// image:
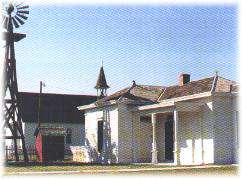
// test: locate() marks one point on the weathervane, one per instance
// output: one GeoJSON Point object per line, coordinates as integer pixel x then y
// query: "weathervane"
{"type": "Point", "coordinates": [13, 14]}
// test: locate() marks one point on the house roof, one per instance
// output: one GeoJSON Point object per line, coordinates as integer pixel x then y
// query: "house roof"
{"type": "Point", "coordinates": [156, 94]}
{"type": "Point", "coordinates": [142, 92]}
{"type": "Point", "coordinates": [135, 93]}
{"type": "Point", "coordinates": [219, 84]}
{"type": "Point", "coordinates": [55, 108]}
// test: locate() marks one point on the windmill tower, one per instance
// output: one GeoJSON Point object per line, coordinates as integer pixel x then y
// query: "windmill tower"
{"type": "Point", "coordinates": [102, 86]}
{"type": "Point", "coordinates": [14, 16]}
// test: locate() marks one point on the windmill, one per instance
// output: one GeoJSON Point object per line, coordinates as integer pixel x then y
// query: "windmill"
{"type": "Point", "coordinates": [14, 15]}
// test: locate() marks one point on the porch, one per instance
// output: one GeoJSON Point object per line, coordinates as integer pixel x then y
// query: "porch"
{"type": "Point", "coordinates": [178, 133]}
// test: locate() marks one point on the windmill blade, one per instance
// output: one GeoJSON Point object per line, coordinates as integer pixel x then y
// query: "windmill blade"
{"type": "Point", "coordinates": [20, 4]}
{"type": "Point", "coordinates": [22, 16]}
{"type": "Point", "coordinates": [3, 17]}
{"type": "Point", "coordinates": [19, 20]}
{"type": "Point", "coordinates": [5, 23]}
{"type": "Point", "coordinates": [23, 7]}
{"type": "Point", "coordinates": [15, 23]}
{"type": "Point", "coordinates": [24, 12]}
{"type": "Point", "coordinates": [3, 20]}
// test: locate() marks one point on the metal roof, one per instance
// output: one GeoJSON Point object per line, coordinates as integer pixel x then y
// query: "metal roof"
{"type": "Point", "coordinates": [55, 108]}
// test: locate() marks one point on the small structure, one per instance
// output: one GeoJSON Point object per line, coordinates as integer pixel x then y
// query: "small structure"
{"type": "Point", "coordinates": [50, 143]}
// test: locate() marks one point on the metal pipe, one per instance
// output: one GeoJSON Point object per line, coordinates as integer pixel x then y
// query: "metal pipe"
{"type": "Point", "coordinates": [41, 85]}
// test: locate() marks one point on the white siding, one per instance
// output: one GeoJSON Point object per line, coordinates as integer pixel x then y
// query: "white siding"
{"type": "Point", "coordinates": [146, 141]}
{"type": "Point", "coordinates": [208, 133]}
{"type": "Point", "coordinates": [125, 134]}
{"type": "Point", "coordinates": [224, 131]}
{"type": "Point", "coordinates": [190, 138]}
{"type": "Point", "coordinates": [114, 134]}
{"type": "Point", "coordinates": [91, 121]}
{"type": "Point", "coordinates": [91, 118]}
{"type": "Point", "coordinates": [197, 129]}
{"type": "Point", "coordinates": [137, 137]}
{"type": "Point", "coordinates": [236, 127]}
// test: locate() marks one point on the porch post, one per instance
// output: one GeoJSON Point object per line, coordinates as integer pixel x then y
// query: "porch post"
{"type": "Point", "coordinates": [201, 130]}
{"type": "Point", "coordinates": [154, 145]}
{"type": "Point", "coordinates": [176, 138]}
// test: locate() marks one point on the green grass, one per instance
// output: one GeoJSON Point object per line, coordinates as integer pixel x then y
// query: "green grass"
{"type": "Point", "coordinates": [223, 170]}
{"type": "Point", "coordinates": [78, 167]}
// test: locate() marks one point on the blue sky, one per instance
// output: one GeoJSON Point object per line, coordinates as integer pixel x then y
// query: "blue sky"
{"type": "Point", "coordinates": [151, 44]}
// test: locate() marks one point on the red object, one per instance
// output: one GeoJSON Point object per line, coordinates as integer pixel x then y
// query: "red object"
{"type": "Point", "coordinates": [38, 145]}
{"type": "Point", "coordinates": [49, 144]}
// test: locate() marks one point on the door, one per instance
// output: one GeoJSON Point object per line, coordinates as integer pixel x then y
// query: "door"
{"type": "Point", "coordinates": [169, 141]}
{"type": "Point", "coordinates": [53, 148]}
{"type": "Point", "coordinates": [100, 136]}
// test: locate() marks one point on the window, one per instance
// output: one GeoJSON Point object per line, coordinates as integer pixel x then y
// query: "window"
{"type": "Point", "coordinates": [68, 136]}
{"type": "Point", "coordinates": [100, 136]}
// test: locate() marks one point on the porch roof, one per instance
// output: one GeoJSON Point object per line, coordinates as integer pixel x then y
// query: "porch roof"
{"type": "Point", "coordinates": [173, 102]}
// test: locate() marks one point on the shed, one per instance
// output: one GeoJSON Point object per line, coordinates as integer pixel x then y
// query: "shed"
{"type": "Point", "coordinates": [50, 143]}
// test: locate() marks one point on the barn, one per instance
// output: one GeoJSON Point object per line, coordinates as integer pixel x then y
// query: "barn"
{"type": "Point", "coordinates": [57, 110]}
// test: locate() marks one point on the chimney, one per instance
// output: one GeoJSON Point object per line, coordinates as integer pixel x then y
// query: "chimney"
{"type": "Point", "coordinates": [184, 79]}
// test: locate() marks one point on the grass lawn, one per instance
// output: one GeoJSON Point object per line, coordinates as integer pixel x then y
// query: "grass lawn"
{"type": "Point", "coordinates": [224, 171]}
{"type": "Point", "coordinates": [115, 169]}
{"type": "Point", "coordinates": [73, 167]}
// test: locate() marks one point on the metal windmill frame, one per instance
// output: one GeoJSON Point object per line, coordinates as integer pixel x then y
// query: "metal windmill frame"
{"type": "Point", "coordinates": [11, 107]}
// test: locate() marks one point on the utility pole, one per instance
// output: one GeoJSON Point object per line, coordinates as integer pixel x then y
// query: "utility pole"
{"type": "Point", "coordinates": [42, 84]}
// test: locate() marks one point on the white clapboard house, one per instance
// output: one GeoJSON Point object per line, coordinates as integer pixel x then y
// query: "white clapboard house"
{"type": "Point", "coordinates": [191, 123]}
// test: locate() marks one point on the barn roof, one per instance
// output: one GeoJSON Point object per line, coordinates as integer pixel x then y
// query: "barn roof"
{"type": "Point", "coordinates": [55, 108]}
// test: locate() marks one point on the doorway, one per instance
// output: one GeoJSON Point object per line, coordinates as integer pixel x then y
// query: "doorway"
{"type": "Point", "coordinates": [100, 136]}
{"type": "Point", "coordinates": [169, 141]}
{"type": "Point", "coordinates": [53, 148]}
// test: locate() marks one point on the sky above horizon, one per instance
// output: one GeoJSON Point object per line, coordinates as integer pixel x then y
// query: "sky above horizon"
{"type": "Point", "coordinates": [150, 44]}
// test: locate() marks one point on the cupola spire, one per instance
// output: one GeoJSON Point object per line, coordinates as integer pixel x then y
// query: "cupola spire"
{"type": "Point", "coordinates": [101, 84]}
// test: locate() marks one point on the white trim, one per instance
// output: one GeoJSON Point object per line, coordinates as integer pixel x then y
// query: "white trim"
{"type": "Point", "coordinates": [201, 133]}
{"type": "Point", "coordinates": [215, 79]}
{"type": "Point", "coordinates": [176, 137]}
{"type": "Point", "coordinates": [93, 105]}
{"type": "Point", "coordinates": [154, 144]}
{"type": "Point", "coordinates": [171, 102]}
